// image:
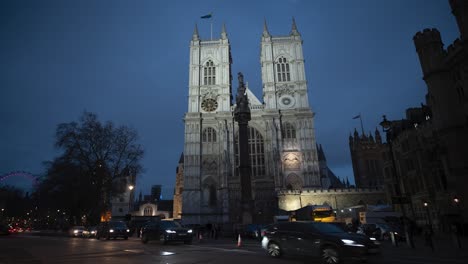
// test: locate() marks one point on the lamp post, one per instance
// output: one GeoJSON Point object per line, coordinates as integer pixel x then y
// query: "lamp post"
{"type": "Point", "coordinates": [428, 215]}
{"type": "Point", "coordinates": [387, 127]}
{"type": "Point", "coordinates": [457, 201]}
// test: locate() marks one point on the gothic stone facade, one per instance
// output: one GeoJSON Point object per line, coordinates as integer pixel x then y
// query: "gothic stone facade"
{"type": "Point", "coordinates": [283, 153]}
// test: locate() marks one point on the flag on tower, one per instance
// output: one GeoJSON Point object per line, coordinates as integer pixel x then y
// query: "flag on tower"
{"type": "Point", "coordinates": [207, 16]}
{"type": "Point", "coordinates": [356, 117]}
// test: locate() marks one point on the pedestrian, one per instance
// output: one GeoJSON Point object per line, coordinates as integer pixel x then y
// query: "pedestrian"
{"type": "Point", "coordinates": [428, 237]}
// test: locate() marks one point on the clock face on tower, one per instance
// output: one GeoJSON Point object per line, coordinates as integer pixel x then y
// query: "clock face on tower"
{"type": "Point", "coordinates": [287, 101]}
{"type": "Point", "coordinates": [209, 105]}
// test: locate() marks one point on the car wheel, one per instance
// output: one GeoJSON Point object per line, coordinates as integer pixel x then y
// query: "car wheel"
{"type": "Point", "coordinates": [329, 255]}
{"type": "Point", "coordinates": [274, 250]}
{"type": "Point", "coordinates": [144, 238]}
{"type": "Point", "coordinates": [162, 238]}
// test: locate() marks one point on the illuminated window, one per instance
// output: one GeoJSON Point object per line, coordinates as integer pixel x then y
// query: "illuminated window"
{"type": "Point", "coordinates": [209, 135]}
{"type": "Point", "coordinates": [289, 131]}
{"type": "Point", "coordinates": [282, 70]}
{"type": "Point", "coordinates": [209, 73]}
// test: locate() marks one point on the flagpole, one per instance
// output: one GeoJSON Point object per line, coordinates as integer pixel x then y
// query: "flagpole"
{"type": "Point", "coordinates": [211, 28]}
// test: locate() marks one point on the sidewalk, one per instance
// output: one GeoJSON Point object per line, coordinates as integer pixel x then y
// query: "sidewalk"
{"type": "Point", "coordinates": [444, 247]}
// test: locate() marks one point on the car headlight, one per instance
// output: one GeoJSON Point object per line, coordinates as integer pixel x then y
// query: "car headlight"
{"type": "Point", "coordinates": [93, 232]}
{"type": "Point", "coordinates": [349, 242]}
{"type": "Point", "coordinates": [170, 231]}
{"type": "Point", "coordinates": [75, 231]}
{"type": "Point", "coordinates": [111, 230]}
{"type": "Point", "coordinates": [372, 238]}
{"type": "Point", "coordinates": [128, 230]}
{"type": "Point", "coordinates": [190, 231]}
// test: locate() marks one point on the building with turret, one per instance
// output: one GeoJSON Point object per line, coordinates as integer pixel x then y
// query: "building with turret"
{"type": "Point", "coordinates": [367, 159]}
{"type": "Point", "coordinates": [426, 154]}
{"type": "Point", "coordinates": [445, 72]}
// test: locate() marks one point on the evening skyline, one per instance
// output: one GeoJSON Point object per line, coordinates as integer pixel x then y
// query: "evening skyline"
{"type": "Point", "coordinates": [128, 63]}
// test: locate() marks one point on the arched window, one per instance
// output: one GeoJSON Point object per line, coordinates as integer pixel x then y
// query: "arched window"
{"type": "Point", "coordinates": [293, 182]}
{"type": "Point", "coordinates": [209, 135]}
{"type": "Point", "coordinates": [282, 70]}
{"type": "Point", "coordinates": [289, 131]}
{"type": "Point", "coordinates": [256, 151]}
{"type": "Point", "coordinates": [148, 211]}
{"type": "Point", "coordinates": [209, 73]}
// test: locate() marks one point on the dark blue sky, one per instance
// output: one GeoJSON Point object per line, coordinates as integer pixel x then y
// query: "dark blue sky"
{"type": "Point", "coordinates": [127, 61]}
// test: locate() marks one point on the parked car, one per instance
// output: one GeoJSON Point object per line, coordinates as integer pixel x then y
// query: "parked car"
{"type": "Point", "coordinates": [112, 229]}
{"type": "Point", "coordinates": [76, 231]}
{"type": "Point", "coordinates": [318, 239]}
{"type": "Point", "coordinates": [166, 231]}
{"type": "Point", "coordinates": [381, 231]}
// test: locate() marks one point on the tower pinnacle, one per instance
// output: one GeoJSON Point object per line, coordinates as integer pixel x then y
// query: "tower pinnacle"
{"type": "Point", "coordinates": [265, 34]}
{"type": "Point", "coordinates": [223, 32]}
{"type": "Point", "coordinates": [195, 33]}
{"type": "Point", "coordinates": [294, 31]}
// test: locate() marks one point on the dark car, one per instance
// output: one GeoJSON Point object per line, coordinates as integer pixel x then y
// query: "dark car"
{"type": "Point", "coordinates": [166, 231]}
{"type": "Point", "coordinates": [323, 240]}
{"type": "Point", "coordinates": [90, 232]}
{"type": "Point", "coordinates": [112, 229]}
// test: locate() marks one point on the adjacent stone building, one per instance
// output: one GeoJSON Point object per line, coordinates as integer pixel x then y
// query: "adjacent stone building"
{"type": "Point", "coordinates": [366, 156]}
{"type": "Point", "coordinates": [425, 157]}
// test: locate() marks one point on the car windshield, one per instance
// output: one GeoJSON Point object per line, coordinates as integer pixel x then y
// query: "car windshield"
{"type": "Point", "coordinates": [169, 224]}
{"type": "Point", "coordinates": [117, 224]}
{"type": "Point", "coordinates": [326, 228]}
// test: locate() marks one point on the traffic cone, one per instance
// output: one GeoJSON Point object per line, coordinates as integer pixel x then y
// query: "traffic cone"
{"type": "Point", "coordinates": [239, 241]}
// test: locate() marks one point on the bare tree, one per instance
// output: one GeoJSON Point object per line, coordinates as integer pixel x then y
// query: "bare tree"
{"type": "Point", "coordinates": [96, 162]}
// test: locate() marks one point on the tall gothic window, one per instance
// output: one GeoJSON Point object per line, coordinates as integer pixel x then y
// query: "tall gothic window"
{"type": "Point", "coordinates": [256, 152]}
{"type": "Point", "coordinates": [289, 131]}
{"type": "Point", "coordinates": [209, 135]}
{"type": "Point", "coordinates": [282, 70]}
{"type": "Point", "coordinates": [209, 73]}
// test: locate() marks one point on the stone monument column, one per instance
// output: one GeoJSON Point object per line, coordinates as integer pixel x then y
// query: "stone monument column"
{"type": "Point", "coordinates": [242, 117]}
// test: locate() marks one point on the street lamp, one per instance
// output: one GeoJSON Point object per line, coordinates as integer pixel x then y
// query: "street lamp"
{"type": "Point", "coordinates": [426, 205]}
{"type": "Point", "coordinates": [387, 127]}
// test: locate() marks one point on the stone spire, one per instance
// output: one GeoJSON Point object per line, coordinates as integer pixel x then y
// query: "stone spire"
{"type": "Point", "coordinates": [195, 36]}
{"type": "Point", "coordinates": [223, 32]}
{"type": "Point", "coordinates": [294, 31]}
{"type": "Point", "coordinates": [378, 138]}
{"type": "Point", "coordinates": [265, 34]}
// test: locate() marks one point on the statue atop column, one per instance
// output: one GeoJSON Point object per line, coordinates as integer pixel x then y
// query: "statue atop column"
{"type": "Point", "coordinates": [242, 110]}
